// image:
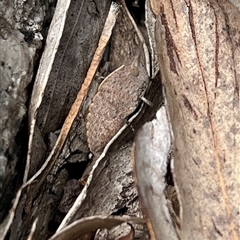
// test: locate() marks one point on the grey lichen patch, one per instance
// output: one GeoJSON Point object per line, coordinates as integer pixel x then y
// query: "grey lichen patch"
{"type": "Point", "coordinates": [117, 97]}
{"type": "Point", "coordinates": [15, 74]}
{"type": "Point", "coordinates": [28, 17]}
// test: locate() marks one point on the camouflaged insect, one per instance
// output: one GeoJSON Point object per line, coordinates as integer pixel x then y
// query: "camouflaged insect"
{"type": "Point", "coordinates": [117, 97]}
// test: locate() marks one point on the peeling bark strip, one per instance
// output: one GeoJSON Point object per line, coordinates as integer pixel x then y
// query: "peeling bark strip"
{"type": "Point", "coordinates": [171, 49]}
{"type": "Point", "coordinates": [151, 149]}
{"type": "Point", "coordinates": [44, 70]}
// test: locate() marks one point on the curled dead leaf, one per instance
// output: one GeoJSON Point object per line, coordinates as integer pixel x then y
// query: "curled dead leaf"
{"type": "Point", "coordinates": [88, 224]}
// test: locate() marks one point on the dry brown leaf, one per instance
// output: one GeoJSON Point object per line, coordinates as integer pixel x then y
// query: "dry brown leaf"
{"type": "Point", "coordinates": [118, 96]}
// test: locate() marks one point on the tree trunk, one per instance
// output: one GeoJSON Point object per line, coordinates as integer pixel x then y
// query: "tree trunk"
{"type": "Point", "coordinates": [198, 51]}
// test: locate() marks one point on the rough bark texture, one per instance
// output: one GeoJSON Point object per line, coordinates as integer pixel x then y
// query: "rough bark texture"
{"type": "Point", "coordinates": [71, 63]}
{"type": "Point", "coordinates": [84, 21]}
{"type": "Point", "coordinates": [41, 198]}
{"type": "Point", "coordinates": [199, 57]}
{"type": "Point", "coordinates": [20, 23]}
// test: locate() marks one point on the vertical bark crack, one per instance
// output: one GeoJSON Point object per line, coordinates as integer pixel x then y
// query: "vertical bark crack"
{"type": "Point", "coordinates": [216, 51]}
{"type": "Point", "coordinates": [171, 47]}
{"type": "Point", "coordinates": [188, 105]}
{"type": "Point", "coordinates": [236, 91]}
{"type": "Point", "coordinates": [174, 14]}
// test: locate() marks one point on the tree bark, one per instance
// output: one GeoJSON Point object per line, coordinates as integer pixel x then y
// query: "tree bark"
{"type": "Point", "coordinates": [20, 42]}
{"type": "Point", "coordinates": [198, 51]}
{"type": "Point", "coordinates": [197, 43]}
